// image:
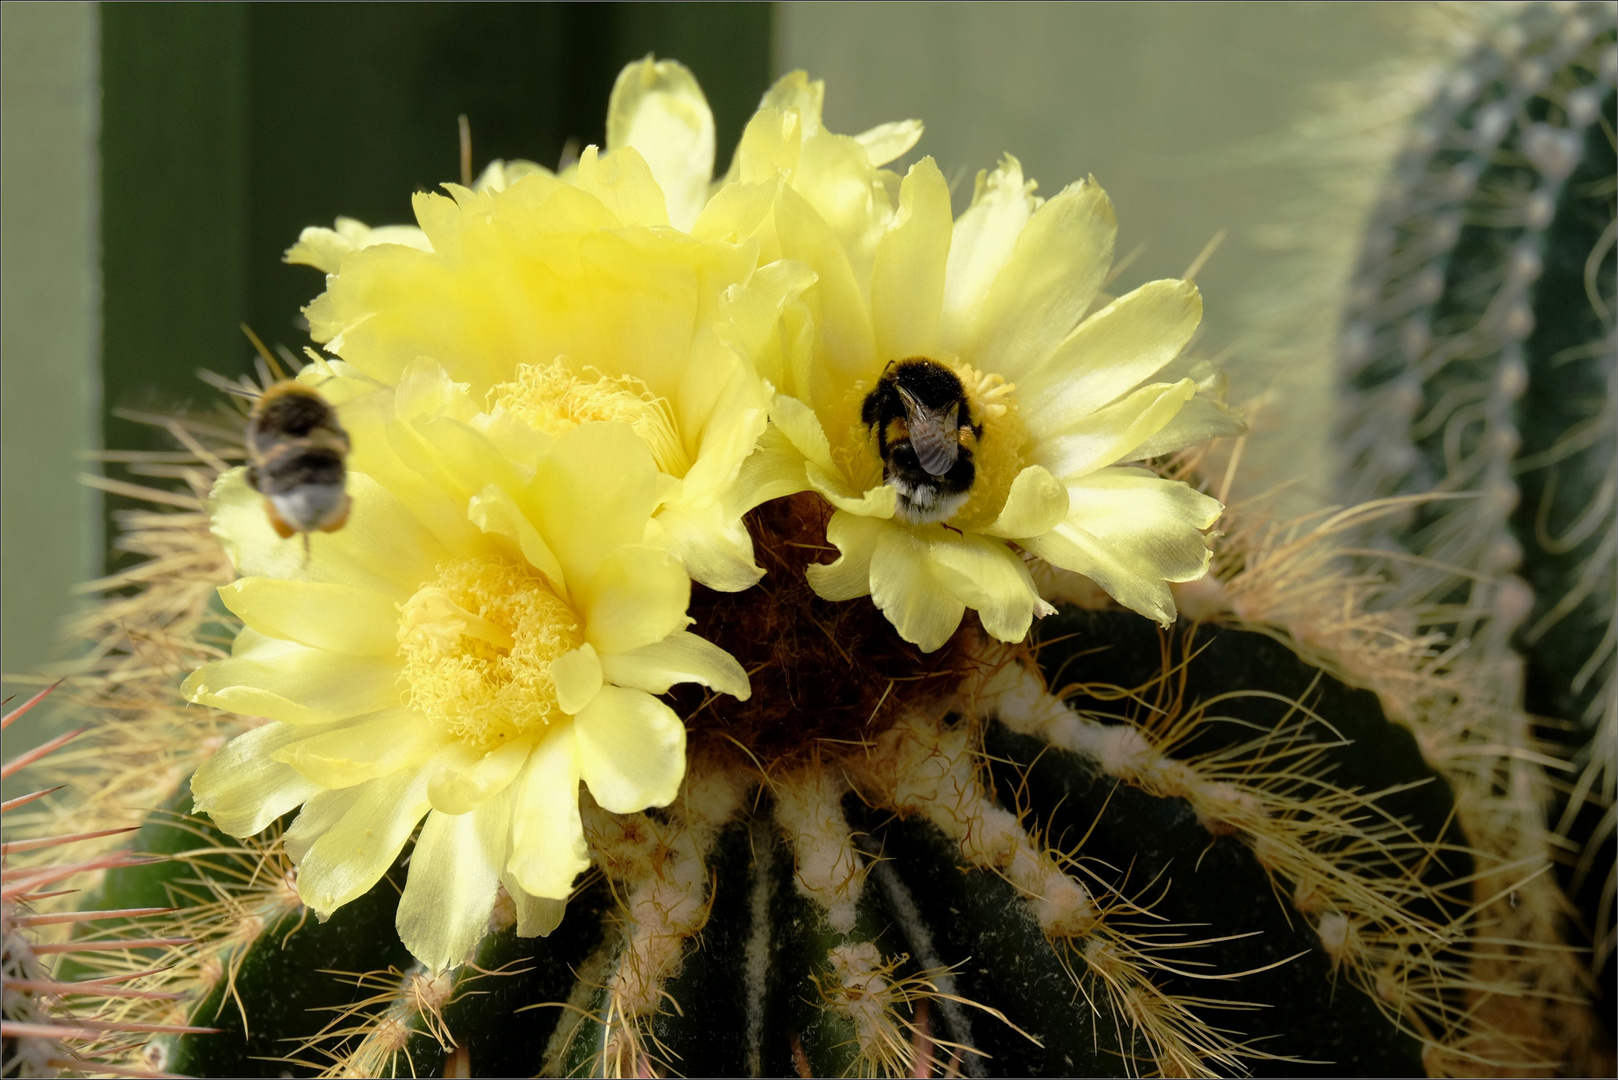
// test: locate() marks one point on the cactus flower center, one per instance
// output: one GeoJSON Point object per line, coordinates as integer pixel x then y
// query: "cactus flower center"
{"type": "Point", "coordinates": [552, 399]}
{"type": "Point", "coordinates": [477, 645]}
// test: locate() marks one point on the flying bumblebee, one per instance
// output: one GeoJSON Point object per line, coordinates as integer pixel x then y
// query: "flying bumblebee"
{"type": "Point", "coordinates": [925, 433]}
{"type": "Point", "coordinates": [296, 451]}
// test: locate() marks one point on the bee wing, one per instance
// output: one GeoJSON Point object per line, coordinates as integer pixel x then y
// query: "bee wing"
{"type": "Point", "coordinates": [932, 434]}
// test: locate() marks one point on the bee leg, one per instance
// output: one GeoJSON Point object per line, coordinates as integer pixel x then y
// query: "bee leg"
{"type": "Point", "coordinates": [952, 528]}
{"type": "Point", "coordinates": [342, 516]}
{"type": "Point", "coordinates": [282, 529]}
{"type": "Point", "coordinates": [306, 551]}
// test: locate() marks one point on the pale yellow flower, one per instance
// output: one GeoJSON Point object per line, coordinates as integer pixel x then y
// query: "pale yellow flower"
{"type": "Point", "coordinates": [487, 630]}
{"type": "Point", "coordinates": [538, 291]}
{"type": "Point", "coordinates": [1069, 400]}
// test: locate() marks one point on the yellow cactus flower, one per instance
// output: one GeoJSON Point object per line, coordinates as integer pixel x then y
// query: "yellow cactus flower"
{"type": "Point", "coordinates": [1057, 405]}
{"type": "Point", "coordinates": [540, 290]}
{"type": "Point", "coordinates": [489, 629]}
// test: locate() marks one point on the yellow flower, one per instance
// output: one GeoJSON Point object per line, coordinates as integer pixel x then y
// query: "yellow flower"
{"type": "Point", "coordinates": [546, 291]}
{"type": "Point", "coordinates": [1065, 399]}
{"type": "Point", "coordinates": [484, 633]}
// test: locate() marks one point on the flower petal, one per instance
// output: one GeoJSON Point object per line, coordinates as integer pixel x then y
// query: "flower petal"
{"type": "Point", "coordinates": [495, 511]}
{"type": "Point", "coordinates": [1045, 288]}
{"type": "Point", "coordinates": [713, 545]}
{"type": "Point", "coordinates": [984, 238]}
{"type": "Point", "coordinates": [1112, 432]}
{"type": "Point", "coordinates": [454, 872]}
{"type": "Point", "coordinates": [1113, 350]}
{"type": "Point", "coordinates": [631, 750]}
{"type": "Point", "coordinates": [355, 852]}
{"type": "Point", "coordinates": [1036, 503]}
{"type": "Point", "coordinates": [537, 916]}
{"type": "Point", "coordinates": [885, 142]}
{"type": "Point", "coordinates": [984, 575]}
{"type": "Point", "coordinates": [879, 502]}
{"type": "Point", "coordinates": [577, 675]}
{"type": "Point", "coordinates": [547, 833]}
{"type": "Point", "coordinates": [907, 278]}
{"type": "Point", "coordinates": [905, 589]}
{"type": "Point", "coordinates": [624, 184]}
{"type": "Point", "coordinates": [339, 618]}
{"type": "Point", "coordinates": [319, 814]}
{"type": "Point", "coordinates": [383, 547]}
{"type": "Point", "coordinates": [849, 577]}
{"type": "Point", "coordinates": [845, 348]}
{"type": "Point", "coordinates": [594, 466]}
{"type": "Point", "coordinates": [658, 108]}
{"type": "Point", "coordinates": [464, 781]}
{"type": "Point", "coordinates": [638, 595]}
{"type": "Point", "coordinates": [1131, 532]}
{"type": "Point", "coordinates": [243, 788]}
{"type": "Point", "coordinates": [293, 683]}
{"type": "Point", "coordinates": [363, 750]}
{"type": "Point", "coordinates": [681, 657]}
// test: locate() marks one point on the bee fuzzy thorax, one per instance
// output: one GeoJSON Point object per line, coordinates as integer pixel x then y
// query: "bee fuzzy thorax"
{"type": "Point", "coordinates": [296, 450]}
{"type": "Point", "coordinates": [927, 433]}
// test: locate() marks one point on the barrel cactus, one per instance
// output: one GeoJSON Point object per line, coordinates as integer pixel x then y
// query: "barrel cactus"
{"type": "Point", "coordinates": [1482, 368]}
{"type": "Point", "coordinates": [621, 518]}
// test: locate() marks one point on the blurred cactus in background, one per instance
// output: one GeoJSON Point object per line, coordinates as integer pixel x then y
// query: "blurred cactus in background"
{"type": "Point", "coordinates": [1482, 368]}
{"type": "Point", "coordinates": [1293, 822]}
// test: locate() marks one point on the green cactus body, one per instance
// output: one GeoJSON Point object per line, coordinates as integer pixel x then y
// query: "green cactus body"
{"type": "Point", "coordinates": [1480, 356]}
{"type": "Point", "coordinates": [1213, 857]}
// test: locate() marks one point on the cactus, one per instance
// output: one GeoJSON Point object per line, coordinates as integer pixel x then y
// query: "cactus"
{"type": "Point", "coordinates": [1268, 836]}
{"type": "Point", "coordinates": [1199, 850]}
{"type": "Point", "coordinates": [1480, 357]}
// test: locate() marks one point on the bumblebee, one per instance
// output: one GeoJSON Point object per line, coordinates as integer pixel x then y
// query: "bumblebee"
{"type": "Point", "coordinates": [296, 451]}
{"type": "Point", "coordinates": [925, 433]}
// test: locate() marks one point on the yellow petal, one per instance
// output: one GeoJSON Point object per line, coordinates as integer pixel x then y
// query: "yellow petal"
{"type": "Point", "coordinates": [850, 576]}
{"type": "Point", "coordinates": [495, 511]}
{"type": "Point", "coordinates": [1203, 418]}
{"type": "Point", "coordinates": [1113, 350]}
{"type": "Point", "coordinates": [983, 242]}
{"type": "Point", "coordinates": [319, 814]}
{"type": "Point", "coordinates": [878, 502]}
{"type": "Point", "coordinates": [383, 547]}
{"type": "Point", "coordinates": [735, 211]}
{"type": "Point", "coordinates": [775, 470]}
{"type": "Point", "coordinates": [624, 184]}
{"type": "Point", "coordinates": [801, 427]}
{"type": "Point", "coordinates": [294, 683]}
{"type": "Point", "coordinates": [1046, 286]}
{"type": "Point", "coordinates": [357, 850]}
{"type": "Point", "coordinates": [1109, 434]}
{"type": "Point", "coordinates": [1036, 503]}
{"type": "Point", "coordinates": [905, 589]}
{"type": "Point", "coordinates": [984, 575]}
{"type": "Point", "coordinates": [907, 278]}
{"type": "Point", "coordinates": [577, 675]}
{"type": "Point", "coordinates": [639, 595]}
{"type": "Point", "coordinates": [341, 618]}
{"type": "Point", "coordinates": [547, 833]}
{"type": "Point", "coordinates": [680, 657]}
{"type": "Point", "coordinates": [243, 788]}
{"type": "Point", "coordinates": [1131, 532]}
{"type": "Point", "coordinates": [537, 916]}
{"type": "Point", "coordinates": [769, 147]}
{"type": "Point", "coordinates": [713, 545]}
{"type": "Point", "coordinates": [885, 142]}
{"type": "Point", "coordinates": [844, 346]}
{"type": "Point", "coordinates": [658, 108]}
{"type": "Point", "coordinates": [465, 778]}
{"type": "Point", "coordinates": [594, 494]}
{"type": "Point", "coordinates": [362, 750]}
{"type": "Point", "coordinates": [454, 872]}
{"type": "Point", "coordinates": [631, 750]}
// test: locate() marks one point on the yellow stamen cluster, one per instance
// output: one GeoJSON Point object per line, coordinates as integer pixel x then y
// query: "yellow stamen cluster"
{"type": "Point", "coordinates": [477, 646]}
{"type": "Point", "coordinates": [552, 399]}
